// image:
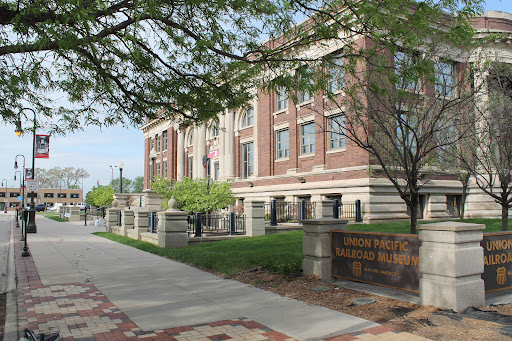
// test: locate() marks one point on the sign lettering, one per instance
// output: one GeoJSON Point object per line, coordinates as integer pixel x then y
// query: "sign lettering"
{"type": "Point", "coordinates": [497, 261]}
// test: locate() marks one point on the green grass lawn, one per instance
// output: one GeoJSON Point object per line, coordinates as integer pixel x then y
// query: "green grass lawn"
{"type": "Point", "coordinates": [280, 253]}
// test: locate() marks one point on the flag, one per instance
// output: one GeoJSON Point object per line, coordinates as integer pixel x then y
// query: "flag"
{"type": "Point", "coordinates": [42, 146]}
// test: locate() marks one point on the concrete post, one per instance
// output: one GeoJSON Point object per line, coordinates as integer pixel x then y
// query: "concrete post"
{"type": "Point", "coordinates": [74, 213]}
{"type": "Point", "coordinates": [316, 245]}
{"type": "Point", "coordinates": [323, 209]}
{"type": "Point", "coordinates": [172, 227]}
{"type": "Point", "coordinates": [111, 218]}
{"type": "Point", "coordinates": [140, 223]}
{"type": "Point", "coordinates": [126, 221]}
{"type": "Point", "coordinates": [451, 265]}
{"type": "Point", "coordinates": [254, 218]}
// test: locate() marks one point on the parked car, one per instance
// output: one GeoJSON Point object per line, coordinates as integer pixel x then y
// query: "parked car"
{"type": "Point", "coordinates": [39, 207]}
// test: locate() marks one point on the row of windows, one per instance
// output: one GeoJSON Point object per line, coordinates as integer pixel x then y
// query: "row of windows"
{"type": "Point", "coordinates": [159, 142]}
{"type": "Point", "coordinates": [335, 141]}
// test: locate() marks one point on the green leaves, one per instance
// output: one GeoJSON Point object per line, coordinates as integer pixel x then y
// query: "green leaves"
{"type": "Point", "coordinates": [195, 195]}
{"type": "Point", "coordinates": [100, 196]}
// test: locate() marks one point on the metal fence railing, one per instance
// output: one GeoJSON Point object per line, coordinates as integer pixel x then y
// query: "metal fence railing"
{"type": "Point", "coordinates": [291, 212]}
{"type": "Point", "coordinates": [216, 224]}
{"type": "Point", "coordinates": [347, 211]}
{"type": "Point", "coordinates": [153, 222]}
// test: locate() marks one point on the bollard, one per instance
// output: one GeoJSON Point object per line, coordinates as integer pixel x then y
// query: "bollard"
{"type": "Point", "coordinates": [336, 209]}
{"type": "Point", "coordinates": [273, 212]}
{"type": "Point", "coordinates": [302, 208]}
{"type": "Point", "coordinates": [358, 211]}
{"type": "Point", "coordinates": [103, 212]}
{"type": "Point", "coordinates": [85, 216]}
{"type": "Point", "coordinates": [197, 224]}
{"type": "Point", "coordinates": [232, 223]}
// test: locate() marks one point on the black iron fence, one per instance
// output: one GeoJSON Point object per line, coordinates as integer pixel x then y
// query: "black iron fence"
{"type": "Point", "coordinates": [216, 224]}
{"type": "Point", "coordinates": [153, 222]}
{"type": "Point", "coordinates": [347, 211]}
{"type": "Point", "coordinates": [291, 212]}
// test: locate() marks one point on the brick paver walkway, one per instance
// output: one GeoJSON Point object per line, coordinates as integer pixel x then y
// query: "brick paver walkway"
{"type": "Point", "coordinates": [80, 312]}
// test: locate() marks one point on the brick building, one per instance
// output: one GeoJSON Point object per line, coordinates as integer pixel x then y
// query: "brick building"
{"type": "Point", "coordinates": [48, 196]}
{"type": "Point", "coordinates": [277, 149]}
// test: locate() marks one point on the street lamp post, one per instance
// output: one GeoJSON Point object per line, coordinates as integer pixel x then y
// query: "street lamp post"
{"type": "Point", "coordinates": [60, 190]}
{"type": "Point", "coordinates": [22, 179]}
{"type": "Point", "coordinates": [5, 200]}
{"type": "Point", "coordinates": [22, 190]}
{"type": "Point", "coordinates": [31, 226]}
{"type": "Point", "coordinates": [112, 181]}
{"type": "Point", "coordinates": [152, 156]}
{"type": "Point", "coordinates": [121, 166]}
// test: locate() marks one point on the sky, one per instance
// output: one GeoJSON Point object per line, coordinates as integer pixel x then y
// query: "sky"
{"type": "Point", "coordinates": [95, 150]}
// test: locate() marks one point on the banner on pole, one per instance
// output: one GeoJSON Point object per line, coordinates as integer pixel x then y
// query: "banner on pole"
{"type": "Point", "coordinates": [42, 146]}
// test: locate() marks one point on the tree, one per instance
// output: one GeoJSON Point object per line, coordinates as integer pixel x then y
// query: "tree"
{"type": "Point", "coordinates": [100, 196]}
{"type": "Point", "coordinates": [122, 61]}
{"type": "Point", "coordinates": [488, 151]}
{"type": "Point", "coordinates": [67, 177]}
{"type": "Point", "coordinates": [127, 185]}
{"type": "Point", "coordinates": [192, 195]}
{"type": "Point", "coordinates": [138, 184]}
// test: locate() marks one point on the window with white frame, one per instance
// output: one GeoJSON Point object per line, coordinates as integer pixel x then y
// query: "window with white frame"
{"type": "Point", "coordinates": [282, 144]}
{"type": "Point", "coordinates": [247, 159]}
{"type": "Point", "coordinates": [306, 95]}
{"type": "Point", "coordinates": [215, 129]}
{"type": "Point", "coordinates": [445, 78]}
{"type": "Point", "coordinates": [164, 139]}
{"type": "Point", "coordinates": [404, 68]}
{"type": "Point", "coordinates": [157, 138]}
{"type": "Point", "coordinates": [165, 168]}
{"type": "Point", "coordinates": [336, 133]}
{"type": "Point", "coordinates": [336, 73]}
{"type": "Point", "coordinates": [307, 138]}
{"type": "Point", "coordinates": [406, 124]}
{"type": "Point", "coordinates": [191, 167]}
{"type": "Point", "coordinates": [216, 171]}
{"type": "Point", "coordinates": [190, 140]}
{"type": "Point", "coordinates": [281, 99]}
{"type": "Point", "coordinates": [158, 169]}
{"type": "Point", "coordinates": [248, 118]}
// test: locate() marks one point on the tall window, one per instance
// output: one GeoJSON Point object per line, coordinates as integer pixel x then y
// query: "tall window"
{"type": "Point", "coordinates": [157, 138]}
{"type": "Point", "coordinates": [404, 69]}
{"type": "Point", "coordinates": [405, 131]}
{"type": "Point", "coordinates": [306, 95]}
{"type": "Point", "coordinates": [445, 76]}
{"type": "Point", "coordinates": [158, 169]}
{"type": "Point", "coordinates": [216, 171]}
{"type": "Point", "coordinates": [336, 133]}
{"type": "Point", "coordinates": [248, 117]}
{"type": "Point", "coordinates": [215, 129]}
{"type": "Point", "coordinates": [247, 159]}
{"type": "Point", "coordinates": [164, 138]}
{"type": "Point", "coordinates": [282, 144]}
{"type": "Point", "coordinates": [281, 99]}
{"type": "Point", "coordinates": [190, 141]}
{"type": "Point", "coordinates": [165, 168]}
{"type": "Point", "coordinates": [307, 138]}
{"type": "Point", "coordinates": [191, 167]}
{"type": "Point", "coordinates": [336, 73]}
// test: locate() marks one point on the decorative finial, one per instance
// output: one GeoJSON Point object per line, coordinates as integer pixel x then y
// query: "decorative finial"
{"type": "Point", "coordinates": [173, 204]}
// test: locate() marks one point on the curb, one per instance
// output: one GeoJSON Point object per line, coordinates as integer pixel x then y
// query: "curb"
{"type": "Point", "coordinates": [11, 306]}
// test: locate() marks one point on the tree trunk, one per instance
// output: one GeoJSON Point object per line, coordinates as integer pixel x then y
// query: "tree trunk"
{"type": "Point", "coordinates": [504, 217]}
{"type": "Point", "coordinates": [414, 213]}
{"type": "Point", "coordinates": [463, 198]}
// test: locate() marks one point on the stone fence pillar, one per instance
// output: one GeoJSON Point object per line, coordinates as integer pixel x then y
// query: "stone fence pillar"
{"type": "Point", "coordinates": [126, 221]}
{"type": "Point", "coordinates": [451, 265]}
{"type": "Point", "coordinates": [74, 213]}
{"type": "Point", "coordinates": [140, 223]}
{"type": "Point", "coordinates": [323, 209]}
{"type": "Point", "coordinates": [254, 218]}
{"type": "Point", "coordinates": [172, 227]}
{"type": "Point", "coordinates": [111, 218]}
{"type": "Point", "coordinates": [316, 246]}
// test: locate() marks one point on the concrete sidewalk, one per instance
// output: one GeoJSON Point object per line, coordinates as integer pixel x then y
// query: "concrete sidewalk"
{"type": "Point", "coordinates": [89, 288]}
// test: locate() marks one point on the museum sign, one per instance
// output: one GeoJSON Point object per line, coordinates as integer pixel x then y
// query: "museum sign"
{"type": "Point", "coordinates": [385, 259]}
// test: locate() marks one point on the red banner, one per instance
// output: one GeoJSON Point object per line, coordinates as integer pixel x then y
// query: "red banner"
{"type": "Point", "coordinates": [42, 146]}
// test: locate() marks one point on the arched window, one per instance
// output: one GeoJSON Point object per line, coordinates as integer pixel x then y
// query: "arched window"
{"type": "Point", "coordinates": [215, 129]}
{"type": "Point", "coordinates": [190, 140]}
{"type": "Point", "coordinates": [248, 118]}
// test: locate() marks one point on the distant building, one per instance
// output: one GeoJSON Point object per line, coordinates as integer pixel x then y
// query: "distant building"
{"type": "Point", "coordinates": [48, 196]}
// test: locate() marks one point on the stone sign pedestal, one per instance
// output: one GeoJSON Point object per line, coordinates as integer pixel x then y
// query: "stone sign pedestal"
{"type": "Point", "coordinates": [126, 221]}
{"type": "Point", "coordinates": [255, 218]}
{"type": "Point", "coordinates": [323, 209]}
{"type": "Point", "coordinates": [172, 229]}
{"type": "Point", "coordinates": [451, 265]}
{"type": "Point", "coordinates": [111, 218]}
{"type": "Point", "coordinates": [316, 246]}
